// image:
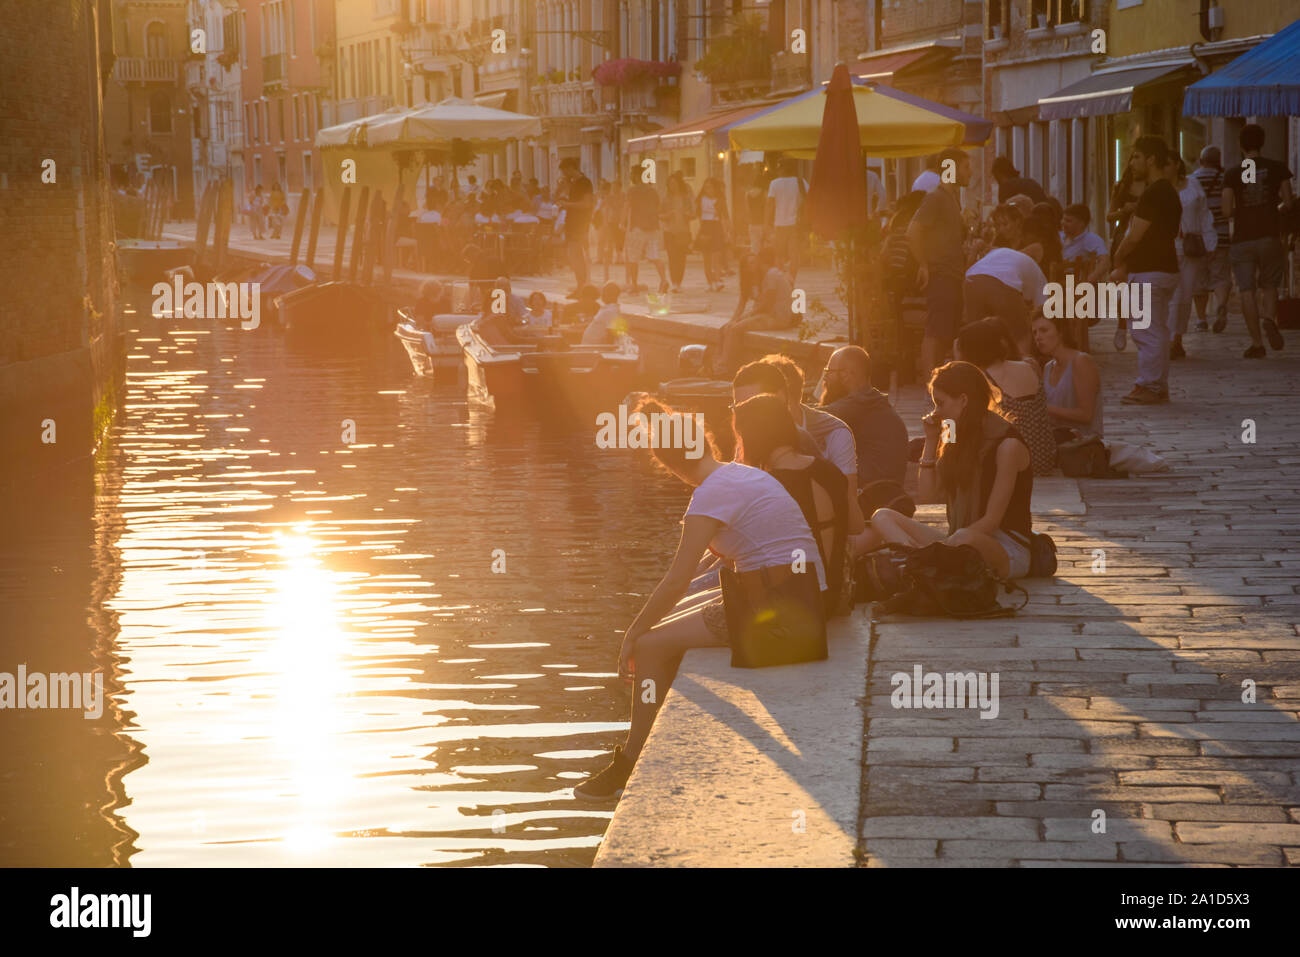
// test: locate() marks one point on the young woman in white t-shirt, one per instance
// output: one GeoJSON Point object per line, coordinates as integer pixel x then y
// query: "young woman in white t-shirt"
{"type": "Point", "coordinates": [745, 517]}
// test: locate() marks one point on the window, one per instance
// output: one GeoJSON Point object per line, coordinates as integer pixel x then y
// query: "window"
{"type": "Point", "coordinates": [999, 19]}
{"type": "Point", "coordinates": [306, 172]}
{"type": "Point", "coordinates": [297, 117]}
{"type": "Point", "coordinates": [1072, 11]}
{"type": "Point", "coordinates": [160, 113]}
{"type": "Point", "coordinates": [293, 47]}
{"type": "Point", "coordinates": [243, 39]}
{"type": "Point", "coordinates": [155, 41]}
{"type": "Point", "coordinates": [279, 109]}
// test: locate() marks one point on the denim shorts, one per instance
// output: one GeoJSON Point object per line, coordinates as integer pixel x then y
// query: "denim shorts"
{"type": "Point", "coordinates": [1017, 552]}
{"type": "Point", "coordinates": [1264, 255]}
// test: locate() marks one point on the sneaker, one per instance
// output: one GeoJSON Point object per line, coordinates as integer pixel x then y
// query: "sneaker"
{"type": "Point", "coordinates": [1144, 396]}
{"type": "Point", "coordinates": [1121, 339]}
{"type": "Point", "coordinates": [1176, 351]}
{"type": "Point", "coordinates": [1274, 337]}
{"type": "Point", "coordinates": [1255, 352]}
{"type": "Point", "coordinates": [608, 783]}
{"type": "Point", "coordinates": [1221, 320]}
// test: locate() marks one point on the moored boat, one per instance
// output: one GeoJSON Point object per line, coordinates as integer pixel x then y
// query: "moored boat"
{"type": "Point", "coordinates": [516, 376]}
{"type": "Point", "coordinates": [431, 350]}
{"type": "Point", "coordinates": [336, 316]}
{"type": "Point", "coordinates": [149, 260]}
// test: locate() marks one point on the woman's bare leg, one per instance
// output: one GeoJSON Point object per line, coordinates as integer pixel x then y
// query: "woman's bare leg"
{"type": "Point", "coordinates": [890, 527]}
{"type": "Point", "coordinates": [658, 654]}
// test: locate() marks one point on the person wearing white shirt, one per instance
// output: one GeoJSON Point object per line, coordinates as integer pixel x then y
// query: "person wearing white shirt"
{"type": "Point", "coordinates": [785, 195]}
{"type": "Point", "coordinates": [1005, 283]}
{"type": "Point", "coordinates": [929, 179]}
{"type": "Point", "coordinates": [1196, 242]}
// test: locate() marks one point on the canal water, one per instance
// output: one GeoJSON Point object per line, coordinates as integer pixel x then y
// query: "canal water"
{"type": "Point", "coordinates": [394, 650]}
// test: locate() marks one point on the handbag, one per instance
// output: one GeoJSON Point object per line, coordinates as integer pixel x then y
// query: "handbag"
{"type": "Point", "coordinates": [952, 581]}
{"type": "Point", "coordinates": [1042, 555]}
{"type": "Point", "coordinates": [773, 618]}
{"type": "Point", "coordinates": [1194, 246]}
{"type": "Point", "coordinates": [1084, 457]}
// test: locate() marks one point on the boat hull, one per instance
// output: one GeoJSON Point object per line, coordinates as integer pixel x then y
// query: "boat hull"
{"type": "Point", "coordinates": [578, 378]}
{"type": "Point", "coordinates": [333, 316]}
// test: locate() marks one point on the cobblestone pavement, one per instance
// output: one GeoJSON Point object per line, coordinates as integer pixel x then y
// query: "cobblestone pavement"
{"type": "Point", "coordinates": [1121, 684]}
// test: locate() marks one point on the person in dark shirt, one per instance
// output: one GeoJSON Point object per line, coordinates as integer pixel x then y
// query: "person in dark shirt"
{"type": "Point", "coordinates": [1251, 195]}
{"type": "Point", "coordinates": [578, 203]}
{"type": "Point", "coordinates": [435, 300]}
{"type": "Point", "coordinates": [879, 434]}
{"type": "Point", "coordinates": [1011, 183]}
{"type": "Point", "coordinates": [1148, 260]}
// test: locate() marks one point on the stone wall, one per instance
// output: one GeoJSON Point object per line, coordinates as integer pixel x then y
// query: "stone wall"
{"type": "Point", "coordinates": [59, 335]}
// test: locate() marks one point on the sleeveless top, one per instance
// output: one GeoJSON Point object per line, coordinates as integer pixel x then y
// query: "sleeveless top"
{"type": "Point", "coordinates": [799, 483]}
{"type": "Point", "coordinates": [1064, 396]}
{"type": "Point", "coordinates": [968, 505]}
{"type": "Point", "coordinates": [1029, 415]}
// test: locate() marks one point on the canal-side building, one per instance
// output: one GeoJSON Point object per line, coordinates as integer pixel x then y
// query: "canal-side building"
{"type": "Point", "coordinates": [61, 352]}
{"type": "Point", "coordinates": [213, 80]}
{"type": "Point", "coordinates": [147, 106]}
{"type": "Point", "coordinates": [1154, 49]}
{"type": "Point", "coordinates": [1031, 48]}
{"type": "Point", "coordinates": [286, 59]}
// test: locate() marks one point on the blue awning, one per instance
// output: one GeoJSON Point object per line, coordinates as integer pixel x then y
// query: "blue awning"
{"type": "Point", "coordinates": [1263, 82]}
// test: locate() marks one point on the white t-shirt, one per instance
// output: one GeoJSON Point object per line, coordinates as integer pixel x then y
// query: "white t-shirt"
{"type": "Point", "coordinates": [785, 190]}
{"type": "Point", "coordinates": [598, 331]}
{"type": "Point", "coordinates": [429, 216]}
{"type": "Point", "coordinates": [927, 182]}
{"type": "Point", "coordinates": [708, 209]}
{"type": "Point", "coordinates": [1087, 243]}
{"type": "Point", "coordinates": [762, 525]}
{"type": "Point", "coordinates": [1013, 268]}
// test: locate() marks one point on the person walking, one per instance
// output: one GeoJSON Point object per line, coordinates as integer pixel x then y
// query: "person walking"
{"type": "Point", "coordinates": [1123, 200]}
{"type": "Point", "coordinates": [785, 199]}
{"type": "Point", "coordinates": [937, 234]}
{"type": "Point", "coordinates": [1209, 173]}
{"type": "Point", "coordinates": [677, 215]}
{"type": "Point", "coordinates": [577, 204]}
{"type": "Point", "coordinates": [642, 236]}
{"type": "Point", "coordinates": [1148, 256]}
{"type": "Point", "coordinates": [1251, 196]}
{"type": "Point", "coordinates": [711, 207]}
{"type": "Point", "coordinates": [1196, 242]}
{"type": "Point", "coordinates": [257, 212]}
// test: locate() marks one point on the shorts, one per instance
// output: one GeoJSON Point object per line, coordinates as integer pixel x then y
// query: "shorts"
{"type": "Point", "coordinates": [1257, 255]}
{"type": "Point", "coordinates": [1017, 552]}
{"type": "Point", "coordinates": [642, 244]}
{"type": "Point", "coordinates": [1219, 268]}
{"type": "Point", "coordinates": [715, 619]}
{"type": "Point", "coordinates": [942, 306]}
{"type": "Point", "coordinates": [710, 236]}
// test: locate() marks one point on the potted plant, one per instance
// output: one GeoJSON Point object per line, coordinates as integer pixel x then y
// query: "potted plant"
{"type": "Point", "coordinates": [738, 55]}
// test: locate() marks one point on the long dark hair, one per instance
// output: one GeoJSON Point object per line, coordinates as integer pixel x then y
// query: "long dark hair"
{"type": "Point", "coordinates": [960, 458]}
{"type": "Point", "coordinates": [763, 424]}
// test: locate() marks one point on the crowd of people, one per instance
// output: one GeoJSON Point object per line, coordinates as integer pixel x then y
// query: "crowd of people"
{"type": "Point", "coordinates": [826, 482]}
{"type": "Point", "coordinates": [1185, 234]}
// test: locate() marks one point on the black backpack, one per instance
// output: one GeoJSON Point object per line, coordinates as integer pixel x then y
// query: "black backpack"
{"type": "Point", "coordinates": [940, 580]}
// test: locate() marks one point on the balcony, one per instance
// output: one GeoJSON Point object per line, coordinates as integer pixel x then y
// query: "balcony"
{"type": "Point", "coordinates": [574, 98]}
{"type": "Point", "coordinates": [136, 69]}
{"type": "Point", "coordinates": [790, 72]}
{"type": "Point", "coordinates": [275, 72]}
{"type": "Point", "coordinates": [651, 101]}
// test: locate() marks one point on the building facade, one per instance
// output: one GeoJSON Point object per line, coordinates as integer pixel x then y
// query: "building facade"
{"type": "Point", "coordinates": [286, 58]}
{"type": "Point", "coordinates": [213, 79]}
{"type": "Point", "coordinates": [61, 348]}
{"type": "Point", "coordinates": [147, 107]}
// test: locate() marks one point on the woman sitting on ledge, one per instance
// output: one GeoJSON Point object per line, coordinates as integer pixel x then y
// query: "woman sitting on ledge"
{"type": "Point", "coordinates": [1070, 380]}
{"type": "Point", "coordinates": [983, 475]}
{"type": "Point", "coordinates": [769, 440]}
{"type": "Point", "coordinates": [745, 517]}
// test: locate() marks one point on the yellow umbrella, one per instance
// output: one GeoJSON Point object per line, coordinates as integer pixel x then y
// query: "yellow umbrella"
{"type": "Point", "coordinates": [888, 126]}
